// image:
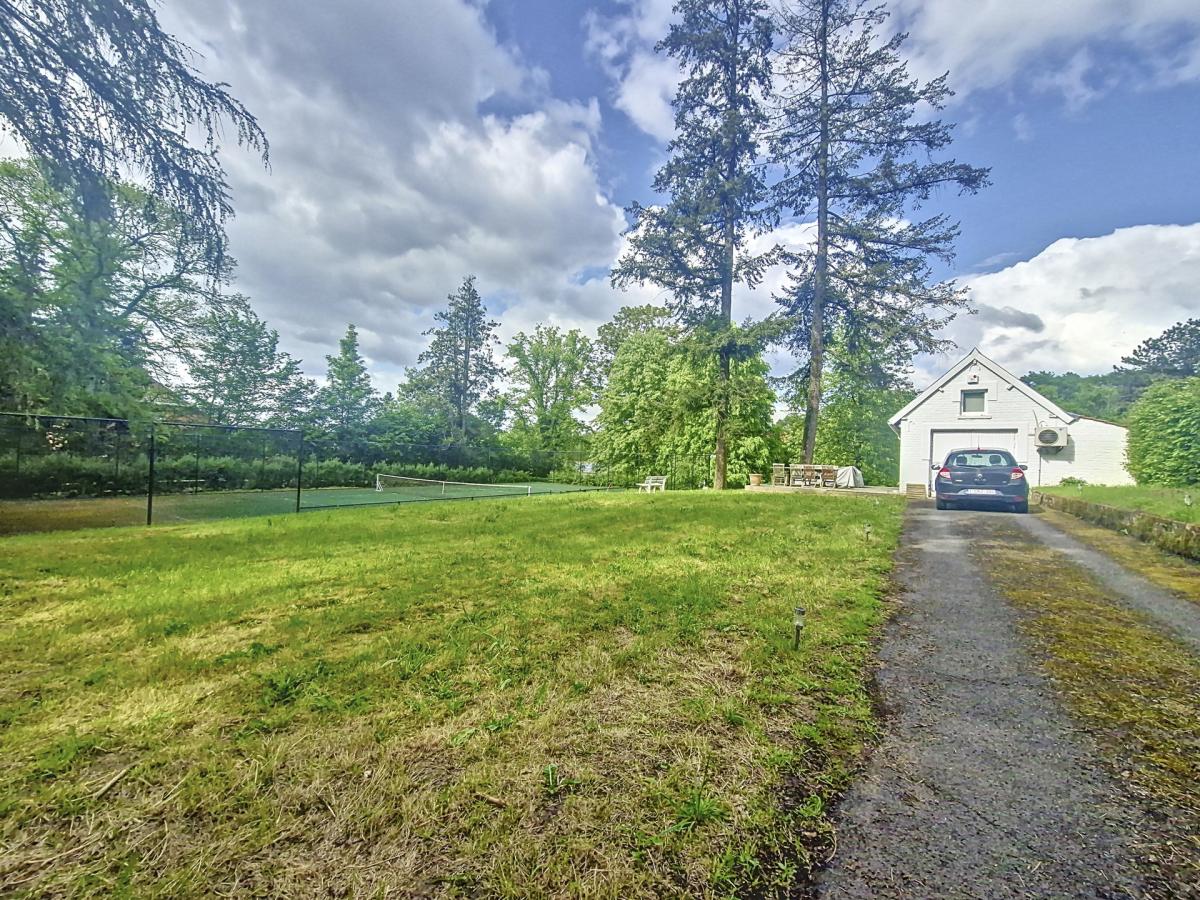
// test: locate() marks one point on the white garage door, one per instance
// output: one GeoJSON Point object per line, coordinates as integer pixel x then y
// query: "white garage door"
{"type": "Point", "coordinates": [942, 442]}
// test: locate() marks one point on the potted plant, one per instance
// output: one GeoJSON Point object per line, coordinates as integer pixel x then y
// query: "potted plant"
{"type": "Point", "coordinates": [756, 478]}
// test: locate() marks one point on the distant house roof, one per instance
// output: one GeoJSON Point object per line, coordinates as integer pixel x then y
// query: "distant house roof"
{"type": "Point", "coordinates": [976, 357]}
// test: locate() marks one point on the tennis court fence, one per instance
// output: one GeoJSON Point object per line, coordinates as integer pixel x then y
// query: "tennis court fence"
{"type": "Point", "coordinates": [64, 472]}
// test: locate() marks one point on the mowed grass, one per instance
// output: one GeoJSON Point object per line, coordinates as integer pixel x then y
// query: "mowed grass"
{"type": "Point", "coordinates": [1169, 503]}
{"type": "Point", "coordinates": [590, 695]}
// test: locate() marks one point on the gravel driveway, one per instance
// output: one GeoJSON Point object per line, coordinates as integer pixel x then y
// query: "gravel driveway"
{"type": "Point", "coordinates": [982, 786]}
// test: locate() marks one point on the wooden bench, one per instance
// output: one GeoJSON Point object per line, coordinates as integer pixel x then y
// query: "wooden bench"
{"type": "Point", "coordinates": [653, 483]}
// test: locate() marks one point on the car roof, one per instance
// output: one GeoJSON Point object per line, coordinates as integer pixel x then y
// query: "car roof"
{"type": "Point", "coordinates": [979, 450]}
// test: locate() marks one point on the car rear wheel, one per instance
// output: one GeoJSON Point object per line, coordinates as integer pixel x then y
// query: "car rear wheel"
{"type": "Point", "coordinates": [1022, 507]}
{"type": "Point", "coordinates": [942, 504]}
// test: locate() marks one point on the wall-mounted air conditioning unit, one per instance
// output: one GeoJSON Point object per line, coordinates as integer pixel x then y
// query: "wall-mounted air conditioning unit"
{"type": "Point", "coordinates": [1051, 437]}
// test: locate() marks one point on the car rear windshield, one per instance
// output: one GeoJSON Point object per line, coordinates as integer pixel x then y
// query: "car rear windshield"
{"type": "Point", "coordinates": [979, 459]}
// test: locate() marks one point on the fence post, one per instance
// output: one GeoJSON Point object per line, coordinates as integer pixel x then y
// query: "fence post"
{"type": "Point", "coordinates": [299, 467]}
{"type": "Point", "coordinates": [150, 481]}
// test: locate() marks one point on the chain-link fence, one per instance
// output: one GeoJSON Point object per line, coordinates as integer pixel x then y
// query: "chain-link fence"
{"type": "Point", "coordinates": [71, 472]}
{"type": "Point", "coordinates": [61, 472]}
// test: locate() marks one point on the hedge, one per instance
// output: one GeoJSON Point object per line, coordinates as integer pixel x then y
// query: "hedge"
{"type": "Point", "coordinates": [1164, 434]}
{"type": "Point", "coordinates": [67, 475]}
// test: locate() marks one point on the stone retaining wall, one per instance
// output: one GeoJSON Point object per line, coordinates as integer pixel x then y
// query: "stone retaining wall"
{"type": "Point", "coordinates": [1166, 534]}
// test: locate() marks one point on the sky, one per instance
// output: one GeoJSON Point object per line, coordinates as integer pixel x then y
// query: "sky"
{"type": "Point", "coordinates": [416, 142]}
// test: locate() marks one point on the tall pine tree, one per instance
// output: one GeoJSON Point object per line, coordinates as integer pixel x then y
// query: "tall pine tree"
{"type": "Point", "coordinates": [347, 402]}
{"type": "Point", "coordinates": [856, 155]}
{"type": "Point", "coordinates": [695, 246]}
{"type": "Point", "coordinates": [459, 368]}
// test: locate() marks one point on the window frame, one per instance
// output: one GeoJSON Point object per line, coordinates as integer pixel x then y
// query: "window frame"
{"type": "Point", "coordinates": [962, 402]}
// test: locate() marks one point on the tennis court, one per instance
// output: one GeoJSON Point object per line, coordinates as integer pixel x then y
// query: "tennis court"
{"type": "Point", "coordinates": [21, 516]}
{"type": "Point", "coordinates": [396, 489]}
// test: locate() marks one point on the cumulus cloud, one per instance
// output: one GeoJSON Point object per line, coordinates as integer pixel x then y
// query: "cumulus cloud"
{"type": "Point", "coordinates": [1095, 299]}
{"type": "Point", "coordinates": [394, 175]}
{"type": "Point", "coordinates": [993, 43]}
{"type": "Point", "coordinates": [644, 81]}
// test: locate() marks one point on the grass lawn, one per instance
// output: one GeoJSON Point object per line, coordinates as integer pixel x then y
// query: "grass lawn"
{"type": "Point", "coordinates": [1165, 502]}
{"type": "Point", "coordinates": [590, 695]}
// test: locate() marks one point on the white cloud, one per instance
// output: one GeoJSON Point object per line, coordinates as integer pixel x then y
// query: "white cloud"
{"type": "Point", "coordinates": [990, 44]}
{"type": "Point", "coordinates": [644, 81]}
{"type": "Point", "coordinates": [1082, 303]}
{"type": "Point", "coordinates": [391, 176]}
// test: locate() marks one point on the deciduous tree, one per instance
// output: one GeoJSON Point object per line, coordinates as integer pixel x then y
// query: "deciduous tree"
{"type": "Point", "coordinates": [553, 376]}
{"type": "Point", "coordinates": [93, 312]}
{"type": "Point", "coordinates": [696, 245]}
{"type": "Point", "coordinates": [237, 373]}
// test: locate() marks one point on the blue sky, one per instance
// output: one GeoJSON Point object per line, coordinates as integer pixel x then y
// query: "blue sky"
{"type": "Point", "coordinates": [414, 143]}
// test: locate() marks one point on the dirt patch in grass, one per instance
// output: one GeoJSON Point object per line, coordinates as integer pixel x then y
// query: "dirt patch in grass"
{"type": "Point", "coordinates": [1136, 690]}
{"type": "Point", "coordinates": [584, 696]}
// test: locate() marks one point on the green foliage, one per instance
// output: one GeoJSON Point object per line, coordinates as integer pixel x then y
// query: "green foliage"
{"type": "Point", "coordinates": [1164, 434]}
{"type": "Point", "coordinates": [238, 373]}
{"type": "Point", "coordinates": [854, 431]}
{"type": "Point", "coordinates": [658, 408]}
{"type": "Point", "coordinates": [695, 245]}
{"type": "Point", "coordinates": [96, 86]}
{"type": "Point", "coordinates": [1175, 352]}
{"type": "Point", "coordinates": [1107, 397]}
{"type": "Point", "coordinates": [347, 402]}
{"type": "Point", "coordinates": [458, 372]}
{"type": "Point", "coordinates": [553, 376]}
{"type": "Point", "coordinates": [857, 143]}
{"type": "Point", "coordinates": [628, 321]}
{"type": "Point", "coordinates": [91, 312]}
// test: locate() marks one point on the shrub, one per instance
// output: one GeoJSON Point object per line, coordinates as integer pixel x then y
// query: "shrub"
{"type": "Point", "coordinates": [73, 475]}
{"type": "Point", "coordinates": [1164, 434]}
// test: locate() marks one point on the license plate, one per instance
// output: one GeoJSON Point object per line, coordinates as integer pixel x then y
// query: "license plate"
{"type": "Point", "coordinates": [988, 491]}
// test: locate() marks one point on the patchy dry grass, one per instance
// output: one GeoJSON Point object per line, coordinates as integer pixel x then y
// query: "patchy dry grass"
{"type": "Point", "coordinates": [1173, 573]}
{"type": "Point", "coordinates": [589, 696]}
{"type": "Point", "coordinates": [1137, 690]}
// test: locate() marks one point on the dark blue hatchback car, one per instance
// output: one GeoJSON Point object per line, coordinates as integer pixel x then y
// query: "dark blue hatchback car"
{"type": "Point", "coordinates": [984, 477]}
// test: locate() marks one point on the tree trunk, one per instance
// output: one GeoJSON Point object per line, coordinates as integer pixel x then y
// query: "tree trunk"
{"type": "Point", "coordinates": [721, 455]}
{"type": "Point", "coordinates": [816, 338]}
{"type": "Point", "coordinates": [721, 462]}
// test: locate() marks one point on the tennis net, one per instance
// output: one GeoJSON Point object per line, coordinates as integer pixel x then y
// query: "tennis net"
{"type": "Point", "coordinates": [428, 488]}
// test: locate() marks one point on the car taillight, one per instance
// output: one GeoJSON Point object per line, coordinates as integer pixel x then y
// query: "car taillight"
{"type": "Point", "coordinates": [1016, 475]}
{"type": "Point", "coordinates": [944, 472]}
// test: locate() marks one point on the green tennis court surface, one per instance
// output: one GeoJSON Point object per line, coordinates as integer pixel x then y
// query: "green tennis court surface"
{"type": "Point", "coordinates": [322, 498]}
{"type": "Point", "coordinates": [20, 516]}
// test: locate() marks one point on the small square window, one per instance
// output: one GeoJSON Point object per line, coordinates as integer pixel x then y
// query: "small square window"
{"type": "Point", "coordinates": [974, 402]}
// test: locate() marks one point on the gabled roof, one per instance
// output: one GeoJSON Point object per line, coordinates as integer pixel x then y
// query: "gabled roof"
{"type": "Point", "coordinates": [999, 370]}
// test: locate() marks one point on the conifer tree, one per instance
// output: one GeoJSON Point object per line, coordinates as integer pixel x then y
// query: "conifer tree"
{"type": "Point", "coordinates": [459, 368]}
{"type": "Point", "coordinates": [855, 154]}
{"type": "Point", "coordinates": [348, 401]}
{"type": "Point", "coordinates": [94, 87]}
{"type": "Point", "coordinates": [695, 245]}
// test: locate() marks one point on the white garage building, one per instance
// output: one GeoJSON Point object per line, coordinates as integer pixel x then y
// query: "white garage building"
{"type": "Point", "coordinates": [978, 403]}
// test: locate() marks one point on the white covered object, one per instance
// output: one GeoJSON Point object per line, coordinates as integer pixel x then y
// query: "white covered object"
{"type": "Point", "coordinates": [850, 477]}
